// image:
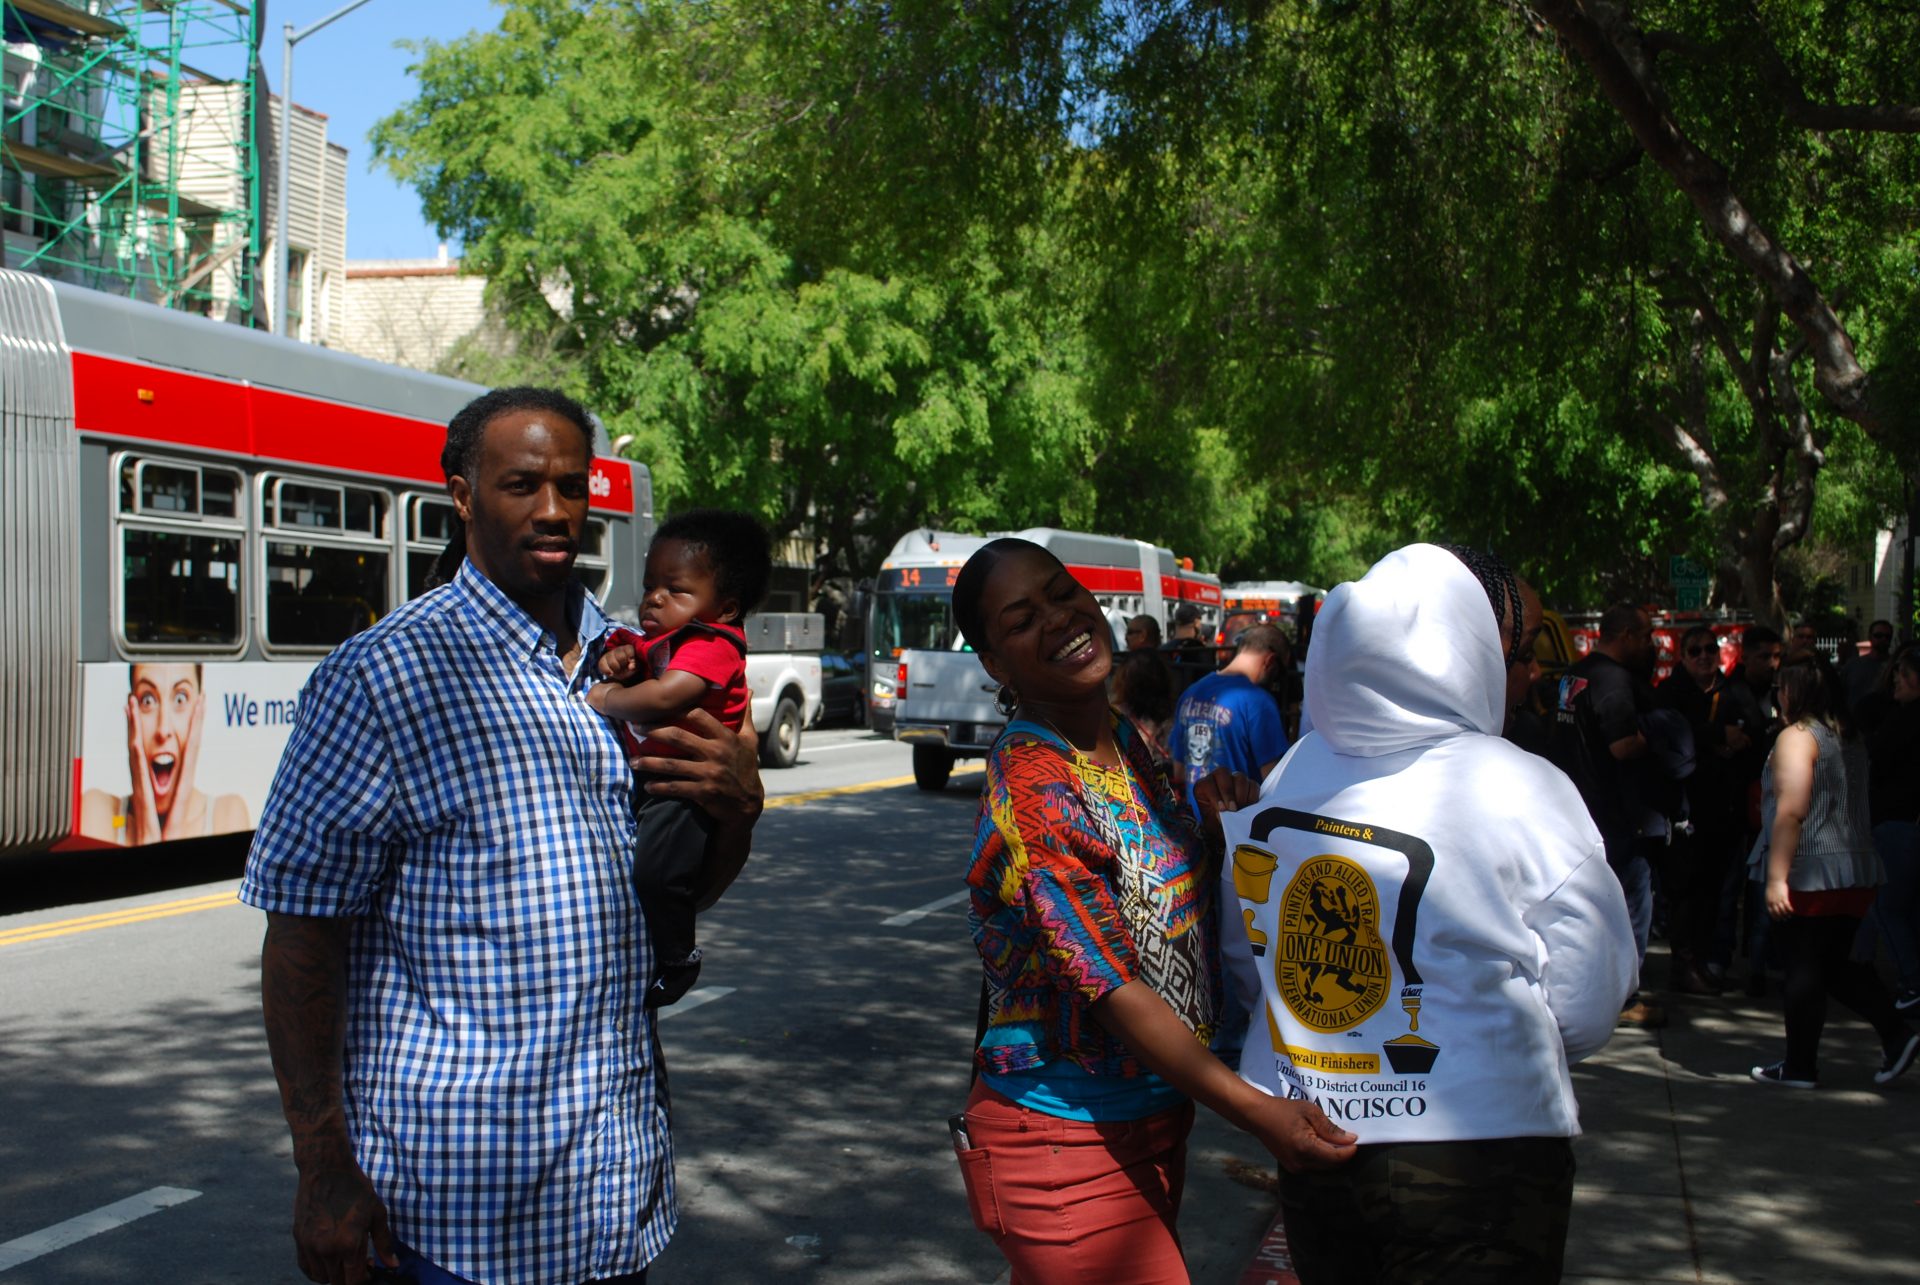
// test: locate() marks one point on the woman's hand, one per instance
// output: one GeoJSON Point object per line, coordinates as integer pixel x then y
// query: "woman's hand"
{"type": "Point", "coordinates": [1779, 900]}
{"type": "Point", "coordinates": [178, 821]}
{"type": "Point", "coordinates": [143, 816]}
{"type": "Point", "coordinates": [1222, 791]}
{"type": "Point", "coordinates": [1300, 1135]}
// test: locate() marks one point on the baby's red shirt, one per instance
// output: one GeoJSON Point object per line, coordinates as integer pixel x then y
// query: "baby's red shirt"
{"type": "Point", "coordinates": [714, 652]}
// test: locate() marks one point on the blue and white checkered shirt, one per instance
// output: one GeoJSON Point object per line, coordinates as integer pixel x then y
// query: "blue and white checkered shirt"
{"type": "Point", "coordinates": [447, 788]}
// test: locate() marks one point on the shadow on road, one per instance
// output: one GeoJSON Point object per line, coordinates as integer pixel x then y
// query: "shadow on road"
{"type": "Point", "coordinates": [50, 879]}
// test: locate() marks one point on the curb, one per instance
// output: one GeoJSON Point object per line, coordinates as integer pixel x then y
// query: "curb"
{"type": "Point", "coordinates": [1272, 1263]}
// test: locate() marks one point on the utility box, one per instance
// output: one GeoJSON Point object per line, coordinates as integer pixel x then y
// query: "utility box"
{"type": "Point", "coordinates": [785, 631]}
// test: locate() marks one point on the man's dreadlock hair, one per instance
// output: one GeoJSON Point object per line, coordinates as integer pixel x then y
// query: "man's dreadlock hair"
{"type": "Point", "coordinates": [1503, 591]}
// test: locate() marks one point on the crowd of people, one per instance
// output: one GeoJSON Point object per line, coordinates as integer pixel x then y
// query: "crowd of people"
{"type": "Point", "coordinates": [1369, 910]}
{"type": "Point", "coordinates": [1447, 871]}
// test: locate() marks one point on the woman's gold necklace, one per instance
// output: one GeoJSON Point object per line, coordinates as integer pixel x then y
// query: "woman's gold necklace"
{"type": "Point", "coordinates": [1133, 905]}
{"type": "Point", "coordinates": [1078, 753]}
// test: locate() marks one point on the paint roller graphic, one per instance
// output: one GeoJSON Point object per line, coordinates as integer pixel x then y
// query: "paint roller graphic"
{"type": "Point", "coordinates": [1410, 1054]}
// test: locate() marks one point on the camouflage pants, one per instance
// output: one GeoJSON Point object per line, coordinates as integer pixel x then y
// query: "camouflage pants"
{"type": "Point", "coordinates": [1456, 1212]}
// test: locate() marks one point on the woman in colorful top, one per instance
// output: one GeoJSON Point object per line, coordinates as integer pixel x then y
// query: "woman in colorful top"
{"type": "Point", "coordinates": [1092, 910]}
{"type": "Point", "coordinates": [1816, 858]}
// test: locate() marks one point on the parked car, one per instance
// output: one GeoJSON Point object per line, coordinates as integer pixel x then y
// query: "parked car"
{"type": "Point", "coordinates": [843, 688]}
{"type": "Point", "coordinates": [783, 674]}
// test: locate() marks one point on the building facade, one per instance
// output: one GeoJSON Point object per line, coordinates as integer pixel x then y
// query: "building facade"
{"type": "Point", "coordinates": [413, 312]}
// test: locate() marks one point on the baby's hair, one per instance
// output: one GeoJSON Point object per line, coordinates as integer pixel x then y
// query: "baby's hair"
{"type": "Point", "coordinates": [736, 547]}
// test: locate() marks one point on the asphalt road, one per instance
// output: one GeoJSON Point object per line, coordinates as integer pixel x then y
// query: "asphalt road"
{"type": "Point", "coordinates": [809, 1093]}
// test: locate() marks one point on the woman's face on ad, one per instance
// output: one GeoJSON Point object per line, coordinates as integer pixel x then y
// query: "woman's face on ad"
{"type": "Point", "coordinates": [163, 698]}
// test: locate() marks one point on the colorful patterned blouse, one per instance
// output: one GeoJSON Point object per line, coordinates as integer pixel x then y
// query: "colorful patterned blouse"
{"type": "Point", "coordinates": [1084, 878]}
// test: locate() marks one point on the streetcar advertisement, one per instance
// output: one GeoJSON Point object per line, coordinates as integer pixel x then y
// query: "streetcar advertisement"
{"type": "Point", "coordinates": [178, 750]}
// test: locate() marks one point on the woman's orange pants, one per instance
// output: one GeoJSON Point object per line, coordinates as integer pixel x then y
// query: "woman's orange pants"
{"type": "Point", "coordinates": [1068, 1201]}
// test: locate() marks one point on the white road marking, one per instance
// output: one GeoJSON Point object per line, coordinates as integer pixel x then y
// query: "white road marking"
{"type": "Point", "coordinates": [843, 745]}
{"type": "Point", "coordinates": [118, 1214]}
{"type": "Point", "coordinates": [694, 999]}
{"type": "Point", "coordinates": [906, 917]}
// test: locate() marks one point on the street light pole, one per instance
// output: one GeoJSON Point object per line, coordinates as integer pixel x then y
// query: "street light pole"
{"type": "Point", "coordinates": [292, 38]}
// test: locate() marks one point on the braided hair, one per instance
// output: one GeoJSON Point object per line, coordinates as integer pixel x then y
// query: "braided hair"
{"type": "Point", "coordinates": [1502, 589]}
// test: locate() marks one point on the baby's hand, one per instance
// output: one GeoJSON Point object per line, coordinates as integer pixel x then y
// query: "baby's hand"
{"type": "Point", "coordinates": [620, 663]}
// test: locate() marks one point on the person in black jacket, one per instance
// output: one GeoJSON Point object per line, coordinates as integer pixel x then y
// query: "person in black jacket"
{"type": "Point", "coordinates": [1698, 691]}
{"type": "Point", "coordinates": [1891, 719]}
{"type": "Point", "coordinates": [1756, 712]}
{"type": "Point", "coordinates": [1598, 740]}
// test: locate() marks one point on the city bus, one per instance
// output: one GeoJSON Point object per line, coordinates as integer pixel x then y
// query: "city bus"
{"type": "Point", "coordinates": [912, 599]}
{"type": "Point", "coordinates": [1254, 602]}
{"type": "Point", "coordinates": [194, 514]}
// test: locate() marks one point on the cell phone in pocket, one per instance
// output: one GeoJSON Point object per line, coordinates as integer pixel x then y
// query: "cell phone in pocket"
{"type": "Point", "coordinates": [957, 1129]}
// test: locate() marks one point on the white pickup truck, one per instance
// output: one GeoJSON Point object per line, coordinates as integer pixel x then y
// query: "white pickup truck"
{"type": "Point", "coordinates": [945, 710]}
{"type": "Point", "coordinates": [783, 673]}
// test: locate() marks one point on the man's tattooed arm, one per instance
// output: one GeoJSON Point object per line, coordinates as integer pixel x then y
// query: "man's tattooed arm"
{"type": "Point", "coordinates": [303, 986]}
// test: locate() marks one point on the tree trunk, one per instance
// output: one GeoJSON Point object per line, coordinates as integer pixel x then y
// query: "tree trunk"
{"type": "Point", "coordinates": [1601, 35]}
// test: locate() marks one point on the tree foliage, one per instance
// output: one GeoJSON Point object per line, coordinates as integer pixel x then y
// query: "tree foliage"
{"type": "Point", "coordinates": [1277, 282]}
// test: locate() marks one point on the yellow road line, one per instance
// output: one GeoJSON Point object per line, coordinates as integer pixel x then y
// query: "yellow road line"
{"type": "Point", "coordinates": [167, 909]}
{"type": "Point", "coordinates": [115, 918]}
{"type": "Point", "coordinates": [808, 796]}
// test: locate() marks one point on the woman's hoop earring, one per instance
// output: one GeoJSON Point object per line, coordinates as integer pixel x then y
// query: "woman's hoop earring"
{"type": "Point", "coordinates": [1006, 700]}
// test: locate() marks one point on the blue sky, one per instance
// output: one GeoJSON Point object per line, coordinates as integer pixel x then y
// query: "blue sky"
{"type": "Point", "coordinates": [353, 72]}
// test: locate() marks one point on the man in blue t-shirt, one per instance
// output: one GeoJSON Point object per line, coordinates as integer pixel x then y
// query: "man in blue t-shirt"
{"type": "Point", "coordinates": [1230, 719]}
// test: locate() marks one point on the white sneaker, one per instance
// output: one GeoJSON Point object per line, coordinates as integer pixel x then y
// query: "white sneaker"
{"type": "Point", "coordinates": [1777, 1074]}
{"type": "Point", "coordinates": [1897, 1063]}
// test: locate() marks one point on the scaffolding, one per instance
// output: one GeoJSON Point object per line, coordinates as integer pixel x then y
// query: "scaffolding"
{"type": "Point", "coordinates": [130, 155]}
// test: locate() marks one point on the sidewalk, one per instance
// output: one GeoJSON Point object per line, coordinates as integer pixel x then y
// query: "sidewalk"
{"type": "Point", "coordinates": [1689, 1171]}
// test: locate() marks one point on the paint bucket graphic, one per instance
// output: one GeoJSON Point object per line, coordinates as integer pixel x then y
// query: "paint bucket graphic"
{"type": "Point", "coordinates": [1253, 872]}
{"type": "Point", "coordinates": [1253, 881]}
{"type": "Point", "coordinates": [1411, 1055]}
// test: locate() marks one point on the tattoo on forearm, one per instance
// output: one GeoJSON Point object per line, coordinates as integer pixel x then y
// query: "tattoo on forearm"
{"type": "Point", "coordinates": [303, 970]}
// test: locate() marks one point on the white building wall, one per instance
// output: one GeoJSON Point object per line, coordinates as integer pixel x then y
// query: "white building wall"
{"type": "Point", "coordinates": [316, 220]}
{"type": "Point", "coordinates": [411, 312]}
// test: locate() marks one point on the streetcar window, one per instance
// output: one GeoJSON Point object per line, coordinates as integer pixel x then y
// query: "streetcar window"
{"type": "Point", "coordinates": [433, 520]}
{"type": "Point", "coordinates": [178, 587]}
{"type": "Point", "coordinates": [321, 595]}
{"type": "Point", "coordinates": [220, 494]}
{"type": "Point", "coordinates": [180, 582]}
{"type": "Point", "coordinates": [326, 561]}
{"type": "Point", "coordinates": [153, 488]}
{"type": "Point", "coordinates": [315, 506]}
{"type": "Point", "coordinates": [430, 524]}
{"type": "Point", "coordinates": [164, 489]}
{"type": "Point", "coordinates": [366, 512]}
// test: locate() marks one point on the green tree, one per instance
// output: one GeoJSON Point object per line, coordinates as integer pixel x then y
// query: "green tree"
{"type": "Point", "coordinates": [1277, 282]}
{"type": "Point", "coordinates": [644, 190]}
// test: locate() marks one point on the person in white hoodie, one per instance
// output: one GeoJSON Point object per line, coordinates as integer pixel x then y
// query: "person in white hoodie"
{"type": "Point", "coordinates": [1433, 931]}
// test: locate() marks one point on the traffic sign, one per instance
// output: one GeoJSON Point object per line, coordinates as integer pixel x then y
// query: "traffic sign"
{"type": "Point", "coordinates": [1685, 573]}
{"type": "Point", "coordinates": [1689, 597]}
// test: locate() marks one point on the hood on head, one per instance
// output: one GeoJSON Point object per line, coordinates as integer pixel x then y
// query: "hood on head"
{"type": "Point", "coordinates": [1407, 655]}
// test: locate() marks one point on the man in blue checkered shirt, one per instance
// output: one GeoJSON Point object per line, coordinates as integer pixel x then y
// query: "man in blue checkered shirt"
{"type": "Point", "coordinates": [455, 961]}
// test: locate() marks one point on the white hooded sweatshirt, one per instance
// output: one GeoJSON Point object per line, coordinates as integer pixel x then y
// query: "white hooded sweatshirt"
{"type": "Point", "coordinates": [1428, 912]}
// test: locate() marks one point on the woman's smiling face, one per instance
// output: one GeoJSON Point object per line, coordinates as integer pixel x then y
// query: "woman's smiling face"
{"type": "Point", "coordinates": [1046, 636]}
